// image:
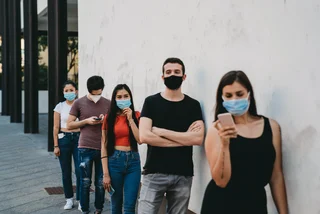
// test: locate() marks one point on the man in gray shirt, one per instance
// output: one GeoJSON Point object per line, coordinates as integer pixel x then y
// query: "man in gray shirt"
{"type": "Point", "coordinates": [90, 110]}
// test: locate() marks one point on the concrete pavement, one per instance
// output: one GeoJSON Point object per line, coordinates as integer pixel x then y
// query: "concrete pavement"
{"type": "Point", "coordinates": [26, 168]}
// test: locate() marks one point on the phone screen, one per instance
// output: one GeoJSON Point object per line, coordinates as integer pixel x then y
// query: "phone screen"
{"type": "Point", "coordinates": [97, 118]}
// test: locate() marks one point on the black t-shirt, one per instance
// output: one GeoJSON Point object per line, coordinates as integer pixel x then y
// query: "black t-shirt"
{"type": "Point", "coordinates": [175, 116]}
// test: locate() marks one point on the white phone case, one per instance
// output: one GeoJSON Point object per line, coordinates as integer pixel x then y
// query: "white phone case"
{"type": "Point", "coordinates": [60, 135]}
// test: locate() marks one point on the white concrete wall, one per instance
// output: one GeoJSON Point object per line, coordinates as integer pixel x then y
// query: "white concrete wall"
{"type": "Point", "coordinates": [43, 101]}
{"type": "Point", "coordinates": [275, 42]}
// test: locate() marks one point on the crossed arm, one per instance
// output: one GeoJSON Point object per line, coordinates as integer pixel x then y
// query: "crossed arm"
{"type": "Point", "coordinates": [166, 138]}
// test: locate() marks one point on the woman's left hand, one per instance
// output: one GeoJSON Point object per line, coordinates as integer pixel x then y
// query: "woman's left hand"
{"type": "Point", "coordinates": [128, 113]}
{"type": "Point", "coordinates": [107, 182]}
{"type": "Point", "coordinates": [56, 151]}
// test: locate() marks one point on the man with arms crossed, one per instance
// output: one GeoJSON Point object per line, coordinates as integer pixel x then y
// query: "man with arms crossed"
{"type": "Point", "coordinates": [171, 123]}
{"type": "Point", "coordinates": [90, 110]}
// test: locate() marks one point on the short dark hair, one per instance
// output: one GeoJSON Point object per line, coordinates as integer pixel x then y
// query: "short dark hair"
{"type": "Point", "coordinates": [228, 79]}
{"type": "Point", "coordinates": [70, 82]}
{"type": "Point", "coordinates": [95, 83]}
{"type": "Point", "coordinates": [173, 60]}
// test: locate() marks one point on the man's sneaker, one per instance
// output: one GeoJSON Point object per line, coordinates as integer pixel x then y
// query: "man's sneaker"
{"type": "Point", "coordinates": [69, 204]}
{"type": "Point", "coordinates": [79, 207]}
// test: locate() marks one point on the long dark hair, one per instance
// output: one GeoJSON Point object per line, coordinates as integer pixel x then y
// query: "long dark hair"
{"type": "Point", "coordinates": [112, 116]}
{"type": "Point", "coordinates": [228, 79]}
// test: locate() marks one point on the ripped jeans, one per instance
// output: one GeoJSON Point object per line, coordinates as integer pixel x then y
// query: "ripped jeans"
{"type": "Point", "coordinates": [86, 159]}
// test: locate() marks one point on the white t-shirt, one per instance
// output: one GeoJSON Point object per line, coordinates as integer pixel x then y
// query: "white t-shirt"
{"type": "Point", "coordinates": [63, 109]}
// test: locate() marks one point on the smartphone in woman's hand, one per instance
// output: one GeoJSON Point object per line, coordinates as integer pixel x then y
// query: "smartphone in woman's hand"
{"type": "Point", "coordinates": [111, 191]}
{"type": "Point", "coordinates": [226, 119]}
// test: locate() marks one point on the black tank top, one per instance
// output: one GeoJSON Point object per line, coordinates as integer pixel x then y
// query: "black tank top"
{"type": "Point", "coordinates": [252, 162]}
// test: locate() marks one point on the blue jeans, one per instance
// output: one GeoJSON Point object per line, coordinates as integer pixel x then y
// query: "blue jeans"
{"type": "Point", "coordinates": [86, 159]}
{"type": "Point", "coordinates": [125, 174]}
{"type": "Point", "coordinates": [68, 146]}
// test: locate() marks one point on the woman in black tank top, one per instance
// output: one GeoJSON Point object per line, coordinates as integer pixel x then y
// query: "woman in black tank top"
{"type": "Point", "coordinates": [243, 158]}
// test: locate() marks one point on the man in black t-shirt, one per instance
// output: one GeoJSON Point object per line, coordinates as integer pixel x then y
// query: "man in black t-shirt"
{"type": "Point", "coordinates": [171, 123]}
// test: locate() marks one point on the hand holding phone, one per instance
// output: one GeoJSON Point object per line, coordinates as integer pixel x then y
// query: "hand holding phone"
{"type": "Point", "coordinates": [226, 119]}
{"type": "Point", "coordinates": [94, 120]}
{"type": "Point", "coordinates": [226, 128]}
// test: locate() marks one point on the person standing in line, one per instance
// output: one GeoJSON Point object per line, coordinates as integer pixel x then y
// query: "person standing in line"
{"type": "Point", "coordinates": [66, 142]}
{"type": "Point", "coordinates": [90, 109]}
{"type": "Point", "coordinates": [171, 123]}
{"type": "Point", "coordinates": [243, 157]}
{"type": "Point", "coordinates": [119, 151]}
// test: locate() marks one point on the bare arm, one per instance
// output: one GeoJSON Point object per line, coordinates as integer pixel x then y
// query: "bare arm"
{"type": "Point", "coordinates": [218, 155]}
{"type": "Point", "coordinates": [104, 152]}
{"type": "Point", "coordinates": [128, 112]}
{"type": "Point", "coordinates": [188, 138]}
{"type": "Point", "coordinates": [73, 124]}
{"type": "Point", "coordinates": [104, 161]}
{"type": "Point", "coordinates": [56, 126]}
{"type": "Point", "coordinates": [277, 183]}
{"type": "Point", "coordinates": [147, 137]}
{"type": "Point", "coordinates": [135, 130]}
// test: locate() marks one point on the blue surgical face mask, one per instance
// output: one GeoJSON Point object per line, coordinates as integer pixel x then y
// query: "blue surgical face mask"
{"type": "Point", "coordinates": [236, 107]}
{"type": "Point", "coordinates": [123, 103]}
{"type": "Point", "coordinates": [70, 96]}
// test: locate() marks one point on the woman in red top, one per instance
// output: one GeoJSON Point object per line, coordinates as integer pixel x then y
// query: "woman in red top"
{"type": "Point", "coordinates": [119, 151]}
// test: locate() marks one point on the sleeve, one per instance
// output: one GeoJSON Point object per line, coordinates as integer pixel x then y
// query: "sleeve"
{"type": "Point", "coordinates": [58, 108]}
{"type": "Point", "coordinates": [197, 114]}
{"type": "Point", "coordinates": [138, 115]}
{"type": "Point", "coordinates": [75, 109]}
{"type": "Point", "coordinates": [147, 109]}
{"type": "Point", "coordinates": [104, 123]}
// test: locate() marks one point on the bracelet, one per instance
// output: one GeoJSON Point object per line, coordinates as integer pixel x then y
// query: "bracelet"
{"type": "Point", "coordinates": [104, 157]}
{"type": "Point", "coordinates": [56, 146]}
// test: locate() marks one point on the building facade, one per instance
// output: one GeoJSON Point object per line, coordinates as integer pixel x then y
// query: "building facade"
{"type": "Point", "coordinates": [275, 42]}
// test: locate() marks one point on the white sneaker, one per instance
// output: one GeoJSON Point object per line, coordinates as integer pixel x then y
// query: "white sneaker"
{"type": "Point", "coordinates": [69, 204]}
{"type": "Point", "coordinates": [79, 207]}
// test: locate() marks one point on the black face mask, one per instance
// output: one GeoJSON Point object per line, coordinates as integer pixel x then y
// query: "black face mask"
{"type": "Point", "coordinates": [173, 82]}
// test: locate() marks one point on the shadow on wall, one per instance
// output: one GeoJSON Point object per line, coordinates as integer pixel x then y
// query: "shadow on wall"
{"type": "Point", "coordinates": [299, 149]}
